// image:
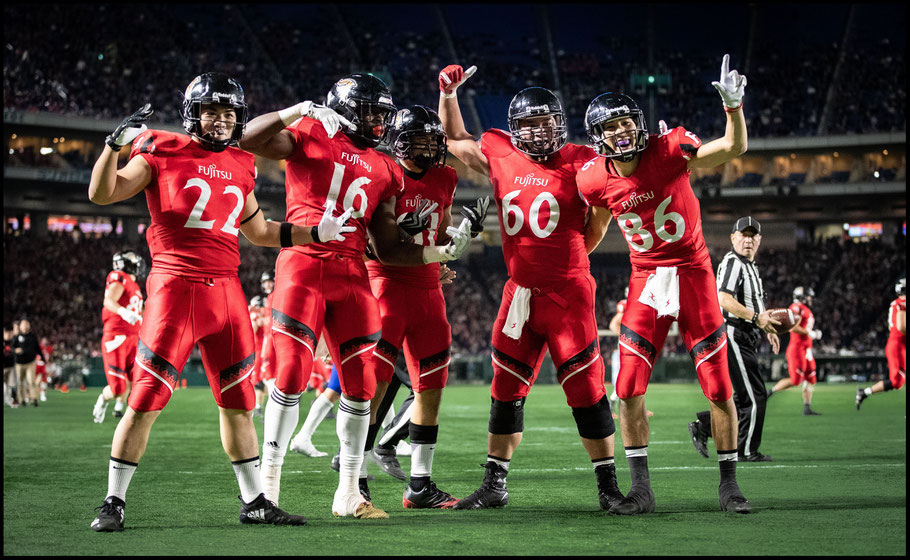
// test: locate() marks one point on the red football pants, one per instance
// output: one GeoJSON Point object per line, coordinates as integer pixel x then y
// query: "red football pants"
{"type": "Point", "coordinates": [181, 313]}
{"type": "Point", "coordinates": [118, 351]}
{"type": "Point", "coordinates": [331, 294]}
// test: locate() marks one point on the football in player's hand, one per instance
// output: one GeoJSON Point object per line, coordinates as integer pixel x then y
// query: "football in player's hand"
{"type": "Point", "coordinates": [786, 318]}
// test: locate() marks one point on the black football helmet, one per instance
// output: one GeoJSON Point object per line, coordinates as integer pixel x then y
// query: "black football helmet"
{"type": "Point", "coordinates": [537, 102]}
{"type": "Point", "coordinates": [213, 88]}
{"type": "Point", "coordinates": [358, 96]}
{"type": "Point", "coordinates": [267, 276]}
{"type": "Point", "coordinates": [901, 287]}
{"type": "Point", "coordinates": [129, 262]}
{"type": "Point", "coordinates": [411, 123]}
{"type": "Point", "coordinates": [803, 295]}
{"type": "Point", "coordinates": [257, 301]}
{"type": "Point", "coordinates": [611, 106]}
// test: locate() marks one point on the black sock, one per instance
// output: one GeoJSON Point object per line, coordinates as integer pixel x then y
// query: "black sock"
{"type": "Point", "coordinates": [371, 437]}
{"type": "Point", "coordinates": [638, 467]}
{"type": "Point", "coordinates": [727, 469]}
{"type": "Point", "coordinates": [418, 483]}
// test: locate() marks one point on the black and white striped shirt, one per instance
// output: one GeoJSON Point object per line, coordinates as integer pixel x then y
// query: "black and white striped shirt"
{"type": "Point", "coordinates": [739, 277]}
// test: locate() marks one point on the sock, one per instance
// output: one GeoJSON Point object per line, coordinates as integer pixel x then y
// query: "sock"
{"type": "Point", "coordinates": [118, 405]}
{"type": "Point", "coordinates": [281, 415]}
{"type": "Point", "coordinates": [504, 463]}
{"type": "Point", "coordinates": [638, 466]}
{"type": "Point", "coordinates": [868, 391]}
{"type": "Point", "coordinates": [100, 400]}
{"type": "Point", "coordinates": [247, 472]}
{"type": "Point", "coordinates": [372, 430]}
{"type": "Point", "coordinates": [602, 462]}
{"type": "Point", "coordinates": [423, 446]}
{"type": "Point", "coordinates": [351, 427]}
{"type": "Point", "coordinates": [318, 410]}
{"type": "Point", "coordinates": [726, 461]}
{"type": "Point", "coordinates": [119, 474]}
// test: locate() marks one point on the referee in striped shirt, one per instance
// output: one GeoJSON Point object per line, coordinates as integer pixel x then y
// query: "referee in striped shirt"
{"type": "Point", "coordinates": [742, 303]}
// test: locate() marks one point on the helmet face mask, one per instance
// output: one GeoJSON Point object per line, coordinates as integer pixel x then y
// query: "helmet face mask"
{"type": "Point", "coordinates": [417, 136]}
{"type": "Point", "coordinates": [616, 127]}
{"type": "Point", "coordinates": [901, 287]}
{"type": "Point", "coordinates": [537, 123]}
{"type": "Point", "coordinates": [803, 295]}
{"type": "Point", "coordinates": [214, 88]}
{"type": "Point", "coordinates": [365, 101]}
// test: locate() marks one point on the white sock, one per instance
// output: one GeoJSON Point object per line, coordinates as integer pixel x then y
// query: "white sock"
{"type": "Point", "coordinates": [118, 405]}
{"type": "Point", "coordinates": [868, 391]}
{"type": "Point", "coordinates": [119, 474]}
{"type": "Point", "coordinates": [603, 462]}
{"type": "Point", "coordinates": [422, 459]}
{"type": "Point", "coordinates": [501, 462]}
{"type": "Point", "coordinates": [318, 411]}
{"type": "Point", "coordinates": [247, 472]}
{"type": "Point", "coordinates": [351, 426]}
{"type": "Point", "coordinates": [100, 400]}
{"type": "Point", "coordinates": [281, 415]}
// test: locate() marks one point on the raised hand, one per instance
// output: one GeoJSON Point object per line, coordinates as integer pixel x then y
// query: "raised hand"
{"type": "Point", "coordinates": [731, 85]}
{"type": "Point", "coordinates": [453, 76]}
{"type": "Point", "coordinates": [130, 128]}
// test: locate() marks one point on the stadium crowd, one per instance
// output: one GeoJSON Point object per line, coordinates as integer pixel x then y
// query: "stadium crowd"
{"type": "Point", "coordinates": [59, 283]}
{"type": "Point", "coordinates": [80, 69]}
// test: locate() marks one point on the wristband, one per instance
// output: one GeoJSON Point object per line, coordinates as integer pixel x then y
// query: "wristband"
{"type": "Point", "coordinates": [285, 234]}
{"type": "Point", "coordinates": [448, 95]}
{"type": "Point", "coordinates": [755, 318]}
{"type": "Point", "coordinates": [733, 110]}
{"type": "Point", "coordinates": [314, 232]}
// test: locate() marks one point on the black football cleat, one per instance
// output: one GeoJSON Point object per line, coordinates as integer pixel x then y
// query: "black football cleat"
{"type": "Point", "coordinates": [118, 414]}
{"type": "Point", "coordinates": [110, 518]}
{"type": "Point", "coordinates": [263, 512]}
{"type": "Point", "coordinates": [807, 411]}
{"type": "Point", "coordinates": [387, 460]}
{"type": "Point", "coordinates": [640, 499]}
{"type": "Point", "coordinates": [860, 397]}
{"type": "Point", "coordinates": [732, 500]}
{"type": "Point", "coordinates": [492, 492]}
{"type": "Point", "coordinates": [428, 497]}
{"type": "Point", "coordinates": [699, 438]}
{"type": "Point", "coordinates": [608, 493]}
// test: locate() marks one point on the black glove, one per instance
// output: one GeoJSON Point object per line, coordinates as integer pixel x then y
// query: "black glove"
{"type": "Point", "coordinates": [476, 214]}
{"type": "Point", "coordinates": [130, 128]}
{"type": "Point", "coordinates": [418, 220]}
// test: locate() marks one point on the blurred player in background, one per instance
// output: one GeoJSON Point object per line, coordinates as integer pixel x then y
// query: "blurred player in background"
{"type": "Point", "coordinates": [325, 286]}
{"type": "Point", "coordinates": [264, 377]}
{"type": "Point", "coordinates": [121, 317]}
{"type": "Point", "coordinates": [26, 350]}
{"type": "Point", "coordinates": [545, 240]}
{"type": "Point", "coordinates": [644, 182]}
{"type": "Point", "coordinates": [319, 410]}
{"type": "Point", "coordinates": [9, 367]}
{"type": "Point", "coordinates": [800, 360]}
{"type": "Point", "coordinates": [199, 189]}
{"type": "Point", "coordinates": [260, 323]}
{"type": "Point", "coordinates": [896, 348]}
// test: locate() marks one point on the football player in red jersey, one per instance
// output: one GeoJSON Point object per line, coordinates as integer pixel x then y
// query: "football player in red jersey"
{"type": "Point", "coordinates": [800, 361]}
{"type": "Point", "coordinates": [643, 181]}
{"type": "Point", "coordinates": [895, 349]}
{"type": "Point", "coordinates": [121, 317]}
{"type": "Point", "coordinates": [199, 189]}
{"type": "Point", "coordinates": [545, 243]}
{"type": "Point", "coordinates": [259, 322]}
{"type": "Point", "coordinates": [325, 286]}
{"type": "Point", "coordinates": [411, 302]}
{"type": "Point", "coordinates": [264, 377]}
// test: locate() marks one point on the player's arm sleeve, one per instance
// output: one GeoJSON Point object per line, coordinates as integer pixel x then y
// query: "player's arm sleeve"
{"type": "Point", "coordinates": [730, 275]}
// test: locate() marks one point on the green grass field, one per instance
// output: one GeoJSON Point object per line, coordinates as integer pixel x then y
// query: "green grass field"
{"type": "Point", "coordinates": [837, 485]}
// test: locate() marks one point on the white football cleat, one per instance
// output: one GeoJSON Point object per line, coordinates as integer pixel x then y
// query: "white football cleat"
{"type": "Point", "coordinates": [305, 446]}
{"type": "Point", "coordinates": [100, 409]}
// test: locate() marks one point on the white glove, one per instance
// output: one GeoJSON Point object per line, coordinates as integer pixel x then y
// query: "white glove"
{"type": "Point", "coordinates": [815, 334]}
{"type": "Point", "coordinates": [129, 316]}
{"type": "Point", "coordinates": [130, 128]}
{"type": "Point", "coordinates": [453, 76]}
{"type": "Point", "coordinates": [461, 236]}
{"type": "Point", "coordinates": [330, 227]}
{"type": "Point", "coordinates": [330, 120]}
{"type": "Point", "coordinates": [731, 85]}
{"type": "Point", "coordinates": [662, 126]}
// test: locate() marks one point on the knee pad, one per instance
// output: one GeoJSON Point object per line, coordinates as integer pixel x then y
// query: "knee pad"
{"type": "Point", "coordinates": [507, 417]}
{"type": "Point", "coordinates": [595, 422]}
